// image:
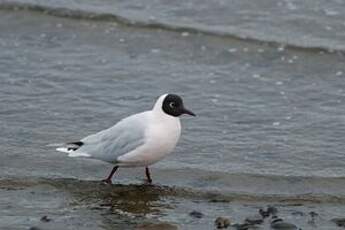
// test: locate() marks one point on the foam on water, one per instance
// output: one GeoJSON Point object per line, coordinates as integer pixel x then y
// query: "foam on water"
{"type": "Point", "coordinates": [226, 22]}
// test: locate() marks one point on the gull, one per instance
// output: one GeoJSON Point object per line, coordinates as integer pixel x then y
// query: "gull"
{"type": "Point", "coordinates": [139, 140]}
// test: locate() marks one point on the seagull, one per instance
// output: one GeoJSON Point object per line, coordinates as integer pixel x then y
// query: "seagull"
{"type": "Point", "coordinates": [139, 140]}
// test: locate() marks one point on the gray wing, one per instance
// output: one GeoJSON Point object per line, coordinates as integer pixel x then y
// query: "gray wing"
{"type": "Point", "coordinates": [109, 144]}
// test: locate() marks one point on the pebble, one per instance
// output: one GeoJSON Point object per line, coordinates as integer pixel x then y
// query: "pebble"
{"type": "Point", "coordinates": [270, 211]}
{"type": "Point", "coordinates": [275, 219]}
{"type": "Point", "coordinates": [280, 224]}
{"type": "Point", "coordinates": [297, 213]}
{"type": "Point", "coordinates": [340, 222]}
{"type": "Point", "coordinates": [222, 222]}
{"type": "Point", "coordinates": [257, 219]}
{"type": "Point", "coordinates": [312, 220]}
{"type": "Point", "coordinates": [196, 214]}
{"type": "Point", "coordinates": [313, 214]}
{"type": "Point", "coordinates": [284, 226]}
{"type": "Point", "coordinates": [45, 219]}
{"type": "Point", "coordinates": [243, 226]}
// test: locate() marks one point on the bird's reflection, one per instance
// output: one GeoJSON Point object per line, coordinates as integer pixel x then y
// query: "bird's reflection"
{"type": "Point", "coordinates": [137, 200]}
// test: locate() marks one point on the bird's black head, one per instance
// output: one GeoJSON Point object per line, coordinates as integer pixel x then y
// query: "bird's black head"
{"type": "Point", "coordinates": [173, 105]}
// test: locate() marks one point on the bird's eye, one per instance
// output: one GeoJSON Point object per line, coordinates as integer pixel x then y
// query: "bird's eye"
{"type": "Point", "coordinates": [172, 105]}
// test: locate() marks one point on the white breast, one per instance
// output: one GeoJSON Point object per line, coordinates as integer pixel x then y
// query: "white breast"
{"type": "Point", "coordinates": [162, 134]}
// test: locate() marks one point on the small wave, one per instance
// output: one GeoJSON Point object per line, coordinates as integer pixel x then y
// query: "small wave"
{"type": "Point", "coordinates": [153, 24]}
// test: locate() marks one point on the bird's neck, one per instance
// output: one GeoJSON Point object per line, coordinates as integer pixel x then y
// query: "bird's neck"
{"type": "Point", "coordinates": [159, 103]}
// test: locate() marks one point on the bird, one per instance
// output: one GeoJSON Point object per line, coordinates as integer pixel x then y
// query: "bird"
{"type": "Point", "coordinates": [138, 140]}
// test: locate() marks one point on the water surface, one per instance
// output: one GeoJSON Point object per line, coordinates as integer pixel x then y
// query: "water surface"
{"type": "Point", "coordinates": [266, 81]}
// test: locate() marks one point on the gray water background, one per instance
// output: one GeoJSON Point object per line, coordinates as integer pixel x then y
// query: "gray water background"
{"type": "Point", "coordinates": [266, 79]}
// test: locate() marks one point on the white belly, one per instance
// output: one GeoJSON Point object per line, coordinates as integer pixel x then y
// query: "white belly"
{"type": "Point", "coordinates": [161, 140]}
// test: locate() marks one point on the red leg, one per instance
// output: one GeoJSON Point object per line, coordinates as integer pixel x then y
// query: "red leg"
{"type": "Point", "coordinates": [148, 176]}
{"type": "Point", "coordinates": [108, 180]}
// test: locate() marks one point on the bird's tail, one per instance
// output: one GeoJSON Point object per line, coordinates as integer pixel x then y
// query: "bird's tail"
{"type": "Point", "coordinates": [71, 148]}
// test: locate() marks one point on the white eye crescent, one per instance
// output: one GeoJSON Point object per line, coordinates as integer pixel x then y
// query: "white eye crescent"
{"type": "Point", "coordinates": [172, 105]}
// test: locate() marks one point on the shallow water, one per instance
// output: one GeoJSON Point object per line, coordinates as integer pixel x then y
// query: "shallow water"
{"type": "Point", "coordinates": [269, 98]}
